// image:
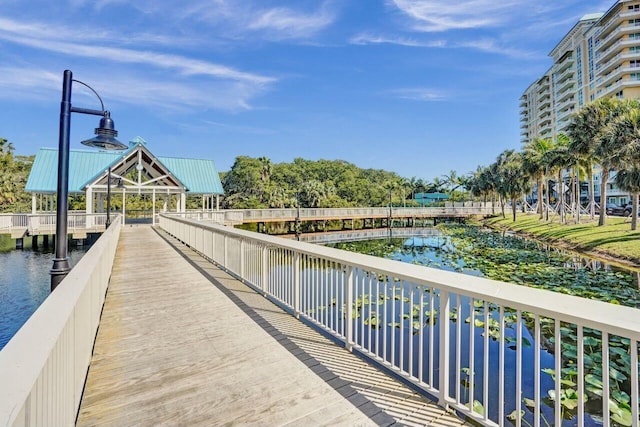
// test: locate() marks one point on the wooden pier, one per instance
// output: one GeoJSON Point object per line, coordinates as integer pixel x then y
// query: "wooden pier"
{"type": "Point", "coordinates": [182, 343]}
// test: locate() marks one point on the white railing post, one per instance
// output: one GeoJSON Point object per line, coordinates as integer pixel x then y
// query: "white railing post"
{"type": "Point", "coordinates": [443, 363]}
{"type": "Point", "coordinates": [242, 262]}
{"type": "Point", "coordinates": [296, 284]}
{"type": "Point", "coordinates": [265, 270]}
{"type": "Point", "coordinates": [348, 300]}
{"type": "Point", "coordinates": [224, 253]}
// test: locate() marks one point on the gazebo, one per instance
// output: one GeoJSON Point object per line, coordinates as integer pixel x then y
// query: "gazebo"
{"type": "Point", "coordinates": [136, 171]}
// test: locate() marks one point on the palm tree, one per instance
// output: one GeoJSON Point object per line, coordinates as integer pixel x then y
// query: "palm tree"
{"type": "Point", "coordinates": [629, 180]}
{"type": "Point", "coordinates": [513, 180]}
{"type": "Point", "coordinates": [611, 142]}
{"type": "Point", "coordinates": [583, 132]}
{"type": "Point", "coordinates": [266, 168]}
{"type": "Point", "coordinates": [626, 129]}
{"type": "Point", "coordinates": [556, 160]}
{"type": "Point", "coordinates": [534, 164]}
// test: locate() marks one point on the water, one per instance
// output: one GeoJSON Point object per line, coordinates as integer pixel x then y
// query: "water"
{"type": "Point", "coordinates": [24, 283]}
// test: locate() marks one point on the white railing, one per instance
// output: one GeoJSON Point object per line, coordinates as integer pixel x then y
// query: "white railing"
{"type": "Point", "coordinates": [488, 349]}
{"type": "Point", "coordinates": [44, 366]}
{"type": "Point", "coordinates": [13, 222]}
{"type": "Point", "coordinates": [289, 214]}
{"type": "Point", "coordinates": [353, 235]}
{"type": "Point", "coordinates": [37, 224]}
{"type": "Point", "coordinates": [46, 223]}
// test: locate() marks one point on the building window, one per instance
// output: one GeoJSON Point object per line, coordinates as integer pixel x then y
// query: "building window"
{"type": "Point", "coordinates": [635, 76]}
{"type": "Point", "coordinates": [634, 7]}
{"type": "Point", "coordinates": [619, 94]}
{"type": "Point", "coordinates": [634, 36]}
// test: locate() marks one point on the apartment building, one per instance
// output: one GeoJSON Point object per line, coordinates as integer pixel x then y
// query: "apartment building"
{"type": "Point", "coordinates": [598, 57]}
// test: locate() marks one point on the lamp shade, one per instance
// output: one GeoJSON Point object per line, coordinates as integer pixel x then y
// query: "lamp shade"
{"type": "Point", "coordinates": [105, 135]}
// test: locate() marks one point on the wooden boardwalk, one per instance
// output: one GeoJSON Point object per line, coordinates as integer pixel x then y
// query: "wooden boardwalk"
{"type": "Point", "coordinates": [182, 343]}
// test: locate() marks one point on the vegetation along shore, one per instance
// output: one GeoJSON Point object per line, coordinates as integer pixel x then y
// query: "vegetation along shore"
{"type": "Point", "coordinates": [613, 242]}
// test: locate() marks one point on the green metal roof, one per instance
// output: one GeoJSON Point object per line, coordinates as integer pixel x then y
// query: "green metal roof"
{"type": "Point", "coordinates": [83, 165]}
{"type": "Point", "coordinates": [199, 176]}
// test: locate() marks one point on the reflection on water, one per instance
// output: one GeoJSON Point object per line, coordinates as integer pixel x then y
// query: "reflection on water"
{"type": "Point", "coordinates": [24, 282]}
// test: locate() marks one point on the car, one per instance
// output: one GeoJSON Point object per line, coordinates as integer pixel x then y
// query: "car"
{"type": "Point", "coordinates": [610, 209]}
{"type": "Point", "coordinates": [622, 210]}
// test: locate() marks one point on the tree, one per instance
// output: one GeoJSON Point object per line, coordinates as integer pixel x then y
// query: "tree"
{"type": "Point", "coordinates": [584, 131]}
{"type": "Point", "coordinates": [513, 180]}
{"type": "Point", "coordinates": [626, 130]}
{"type": "Point", "coordinates": [14, 171]}
{"type": "Point", "coordinates": [534, 164]}
{"type": "Point", "coordinates": [265, 172]}
{"type": "Point", "coordinates": [629, 180]}
{"type": "Point", "coordinates": [556, 160]}
{"type": "Point", "coordinates": [609, 140]}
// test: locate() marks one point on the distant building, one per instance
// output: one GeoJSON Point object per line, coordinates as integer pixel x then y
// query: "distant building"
{"type": "Point", "coordinates": [430, 198]}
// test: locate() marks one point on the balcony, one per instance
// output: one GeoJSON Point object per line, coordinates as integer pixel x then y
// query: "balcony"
{"type": "Point", "coordinates": [566, 86]}
{"type": "Point", "coordinates": [617, 60]}
{"type": "Point", "coordinates": [544, 97]}
{"type": "Point", "coordinates": [544, 104]}
{"type": "Point", "coordinates": [616, 47]}
{"type": "Point", "coordinates": [566, 104]}
{"type": "Point", "coordinates": [616, 34]}
{"type": "Point", "coordinates": [610, 25]}
{"type": "Point", "coordinates": [545, 122]}
{"type": "Point", "coordinates": [616, 74]}
{"type": "Point", "coordinates": [523, 103]}
{"type": "Point", "coordinates": [545, 132]}
{"type": "Point", "coordinates": [565, 63]}
{"type": "Point", "coordinates": [568, 73]}
{"type": "Point", "coordinates": [565, 114]}
{"type": "Point", "coordinates": [619, 85]}
{"type": "Point", "coordinates": [565, 95]}
{"type": "Point", "coordinates": [543, 88]}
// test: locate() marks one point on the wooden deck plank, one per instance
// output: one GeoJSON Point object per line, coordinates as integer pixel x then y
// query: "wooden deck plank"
{"type": "Point", "coordinates": [182, 343]}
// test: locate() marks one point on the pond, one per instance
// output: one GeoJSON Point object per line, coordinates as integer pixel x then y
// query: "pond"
{"type": "Point", "coordinates": [24, 282]}
{"type": "Point", "coordinates": [479, 252]}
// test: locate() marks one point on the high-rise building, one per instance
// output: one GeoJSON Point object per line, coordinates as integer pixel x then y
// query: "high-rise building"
{"type": "Point", "coordinates": [547, 105]}
{"type": "Point", "coordinates": [617, 48]}
{"type": "Point", "coordinates": [599, 57]}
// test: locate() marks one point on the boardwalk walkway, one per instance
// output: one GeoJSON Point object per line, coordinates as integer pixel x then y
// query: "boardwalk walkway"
{"type": "Point", "coordinates": [182, 343]}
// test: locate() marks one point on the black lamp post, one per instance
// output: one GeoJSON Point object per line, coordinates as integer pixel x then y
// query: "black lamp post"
{"type": "Point", "coordinates": [105, 139]}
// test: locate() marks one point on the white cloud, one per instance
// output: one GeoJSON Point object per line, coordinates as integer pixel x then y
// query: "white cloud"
{"type": "Point", "coordinates": [421, 94]}
{"type": "Point", "coordinates": [443, 15]}
{"type": "Point", "coordinates": [485, 45]}
{"type": "Point", "coordinates": [287, 23]}
{"type": "Point", "coordinates": [366, 38]}
{"type": "Point", "coordinates": [245, 17]}
{"type": "Point", "coordinates": [158, 94]}
{"type": "Point", "coordinates": [184, 65]}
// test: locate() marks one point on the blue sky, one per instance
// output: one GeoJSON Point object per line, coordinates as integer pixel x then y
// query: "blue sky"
{"type": "Point", "coordinates": [419, 87]}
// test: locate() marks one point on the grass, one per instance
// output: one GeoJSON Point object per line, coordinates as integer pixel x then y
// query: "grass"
{"type": "Point", "coordinates": [614, 241]}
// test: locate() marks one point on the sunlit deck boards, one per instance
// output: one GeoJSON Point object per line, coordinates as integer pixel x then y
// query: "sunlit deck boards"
{"type": "Point", "coordinates": [181, 343]}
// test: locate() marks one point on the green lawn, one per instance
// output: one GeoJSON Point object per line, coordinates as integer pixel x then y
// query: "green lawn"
{"type": "Point", "coordinates": [614, 239]}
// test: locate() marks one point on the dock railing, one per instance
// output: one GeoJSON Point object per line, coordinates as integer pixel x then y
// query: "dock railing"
{"type": "Point", "coordinates": [44, 366]}
{"type": "Point", "coordinates": [499, 353]}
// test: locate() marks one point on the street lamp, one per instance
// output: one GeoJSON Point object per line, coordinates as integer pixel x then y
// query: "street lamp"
{"type": "Point", "coordinates": [105, 139]}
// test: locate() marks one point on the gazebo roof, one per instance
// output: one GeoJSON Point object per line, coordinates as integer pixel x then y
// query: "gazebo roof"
{"type": "Point", "coordinates": [198, 176]}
